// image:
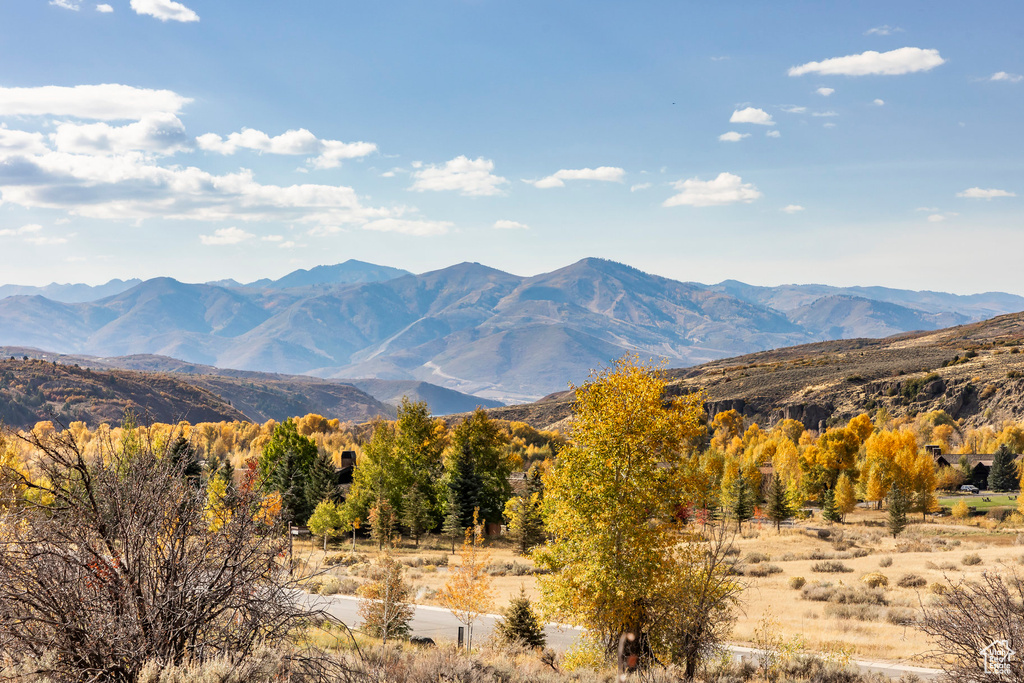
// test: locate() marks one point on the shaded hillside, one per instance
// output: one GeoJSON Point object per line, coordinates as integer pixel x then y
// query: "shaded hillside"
{"type": "Point", "coordinates": [468, 327]}
{"type": "Point", "coordinates": [441, 401]}
{"type": "Point", "coordinates": [259, 395]}
{"type": "Point", "coordinates": [35, 390]}
{"type": "Point", "coordinates": [973, 372]}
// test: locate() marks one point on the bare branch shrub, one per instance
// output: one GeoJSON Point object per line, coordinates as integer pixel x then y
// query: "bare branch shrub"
{"type": "Point", "coordinates": [113, 563]}
{"type": "Point", "coordinates": [970, 617]}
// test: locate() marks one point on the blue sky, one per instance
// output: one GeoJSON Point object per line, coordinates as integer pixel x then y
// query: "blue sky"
{"type": "Point", "coordinates": [872, 143]}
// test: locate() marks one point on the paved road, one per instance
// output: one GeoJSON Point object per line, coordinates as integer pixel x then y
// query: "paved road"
{"type": "Point", "coordinates": [440, 624]}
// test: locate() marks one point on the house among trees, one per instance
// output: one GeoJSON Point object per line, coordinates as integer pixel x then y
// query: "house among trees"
{"type": "Point", "coordinates": [979, 465]}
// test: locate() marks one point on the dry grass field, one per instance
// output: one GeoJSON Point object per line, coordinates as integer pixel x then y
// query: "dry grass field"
{"type": "Point", "coordinates": [833, 611]}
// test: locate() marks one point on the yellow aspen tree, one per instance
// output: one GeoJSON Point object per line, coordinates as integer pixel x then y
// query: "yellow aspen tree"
{"type": "Point", "coordinates": [467, 592]}
{"type": "Point", "coordinates": [610, 500]}
{"type": "Point", "coordinates": [845, 499]}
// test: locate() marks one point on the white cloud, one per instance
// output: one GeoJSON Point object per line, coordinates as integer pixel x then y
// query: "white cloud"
{"type": "Point", "coordinates": [773, 134]}
{"type": "Point", "coordinates": [825, 92]}
{"type": "Point", "coordinates": [510, 225]}
{"type": "Point", "coordinates": [272, 238]}
{"type": "Point", "coordinates": [402, 226]}
{"type": "Point", "coordinates": [225, 236]}
{"type": "Point", "coordinates": [30, 234]}
{"type": "Point", "coordinates": [106, 102]}
{"type": "Point", "coordinates": [66, 4]}
{"type": "Point", "coordinates": [23, 230]}
{"type": "Point", "coordinates": [979, 193]}
{"type": "Point", "coordinates": [164, 10]}
{"type": "Point", "coordinates": [43, 241]}
{"type": "Point", "coordinates": [793, 109]}
{"type": "Point", "coordinates": [883, 30]}
{"type": "Point", "coordinates": [469, 177]}
{"type": "Point", "coordinates": [610, 174]}
{"type": "Point", "coordinates": [131, 186]}
{"type": "Point", "coordinates": [325, 153]}
{"type": "Point", "coordinates": [733, 136]}
{"type": "Point", "coordinates": [104, 8]}
{"type": "Point", "coordinates": [878, 103]}
{"type": "Point", "coordinates": [22, 141]}
{"type": "Point", "coordinates": [824, 114]}
{"type": "Point", "coordinates": [287, 245]}
{"type": "Point", "coordinates": [752, 115]}
{"type": "Point", "coordinates": [828, 125]}
{"type": "Point", "coordinates": [904, 60]}
{"type": "Point", "coordinates": [154, 133]}
{"type": "Point", "coordinates": [936, 218]}
{"type": "Point", "coordinates": [725, 189]}
{"type": "Point", "coordinates": [639, 186]}
{"type": "Point", "coordinates": [1004, 76]}
{"type": "Point", "coordinates": [792, 208]}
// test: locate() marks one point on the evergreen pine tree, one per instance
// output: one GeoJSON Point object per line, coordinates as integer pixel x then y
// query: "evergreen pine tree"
{"type": "Point", "coordinates": [416, 515]}
{"type": "Point", "coordinates": [463, 482]}
{"type": "Point", "coordinates": [322, 481]}
{"type": "Point", "coordinates": [779, 509]}
{"type": "Point", "coordinates": [743, 500]}
{"type": "Point", "coordinates": [284, 467]}
{"type": "Point", "coordinates": [898, 501]}
{"type": "Point", "coordinates": [452, 527]}
{"type": "Point", "coordinates": [520, 625]}
{"type": "Point", "coordinates": [1003, 475]}
{"type": "Point", "coordinates": [829, 511]}
{"type": "Point", "coordinates": [183, 455]}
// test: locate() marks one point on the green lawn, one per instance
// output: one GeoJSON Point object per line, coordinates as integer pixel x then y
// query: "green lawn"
{"type": "Point", "coordinates": [994, 501]}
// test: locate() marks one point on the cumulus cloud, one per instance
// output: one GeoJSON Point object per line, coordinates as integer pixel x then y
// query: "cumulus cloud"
{"type": "Point", "coordinates": [773, 134]}
{"type": "Point", "coordinates": [733, 136]}
{"type": "Point", "coordinates": [154, 133]}
{"type": "Point", "coordinates": [980, 193]}
{"type": "Point", "coordinates": [273, 238]}
{"type": "Point", "coordinates": [611, 174]}
{"type": "Point", "coordinates": [792, 208]}
{"type": "Point", "coordinates": [904, 60]}
{"type": "Point", "coordinates": [66, 4]}
{"type": "Point", "coordinates": [417, 228]}
{"type": "Point", "coordinates": [752, 115]}
{"type": "Point", "coordinates": [825, 92]}
{"type": "Point", "coordinates": [104, 8]}
{"type": "Point", "coordinates": [510, 225]}
{"type": "Point", "coordinates": [164, 10]}
{"type": "Point", "coordinates": [727, 188]}
{"type": "Point", "coordinates": [106, 102]}
{"type": "Point", "coordinates": [878, 103]}
{"type": "Point", "coordinates": [324, 153]}
{"type": "Point", "coordinates": [1004, 76]}
{"type": "Point", "coordinates": [225, 236]}
{"type": "Point", "coordinates": [131, 186]}
{"type": "Point", "coordinates": [883, 30]}
{"type": "Point", "coordinates": [824, 114]}
{"type": "Point", "coordinates": [469, 177]}
{"type": "Point", "coordinates": [639, 186]}
{"type": "Point", "coordinates": [793, 109]}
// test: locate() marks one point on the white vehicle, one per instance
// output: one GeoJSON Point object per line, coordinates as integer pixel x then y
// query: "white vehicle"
{"type": "Point", "coordinates": [968, 488]}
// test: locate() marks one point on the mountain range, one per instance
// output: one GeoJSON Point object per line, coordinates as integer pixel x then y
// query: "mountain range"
{"type": "Point", "coordinates": [469, 327]}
